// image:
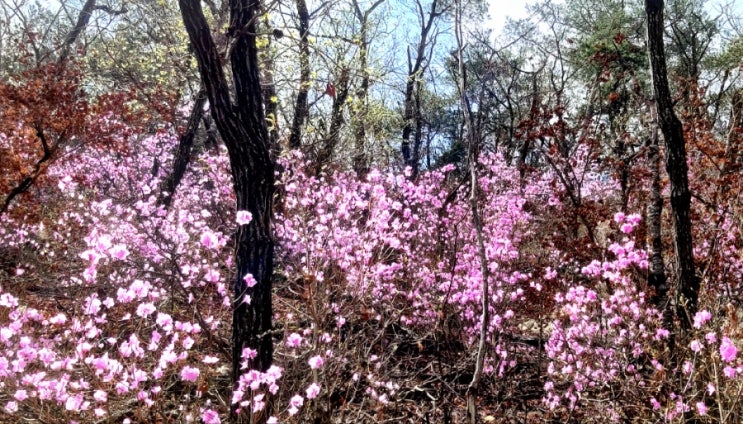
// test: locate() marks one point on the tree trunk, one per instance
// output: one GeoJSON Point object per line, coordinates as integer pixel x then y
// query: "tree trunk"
{"type": "Point", "coordinates": [82, 22]}
{"type": "Point", "coordinates": [412, 118]}
{"type": "Point", "coordinates": [360, 162]}
{"type": "Point", "coordinates": [325, 153]}
{"type": "Point", "coordinates": [359, 132]}
{"type": "Point", "coordinates": [471, 139]}
{"type": "Point", "coordinates": [270, 97]}
{"type": "Point", "coordinates": [657, 276]}
{"type": "Point", "coordinates": [687, 290]}
{"type": "Point", "coordinates": [734, 140]}
{"type": "Point", "coordinates": [301, 107]}
{"type": "Point", "coordinates": [243, 129]}
{"type": "Point", "coordinates": [183, 153]}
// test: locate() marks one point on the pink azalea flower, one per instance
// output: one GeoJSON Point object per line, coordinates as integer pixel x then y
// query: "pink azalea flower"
{"type": "Point", "coordinates": [243, 217]}
{"type": "Point", "coordinates": [210, 416]}
{"type": "Point", "coordinates": [249, 353]}
{"type": "Point", "coordinates": [294, 340]}
{"type": "Point", "coordinates": [728, 351]}
{"type": "Point", "coordinates": [119, 252]}
{"type": "Point", "coordinates": [313, 391]}
{"type": "Point", "coordinates": [75, 403]}
{"type": "Point", "coordinates": [249, 280]}
{"type": "Point", "coordinates": [100, 396]}
{"type": "Point", "coordinates": [701, 408]}
{"type": "Point", "coordinates": [316, 362]}
{"type": "Point", "coordinates": [11, 407]}
{"type": "Point", "coordinates": [729, 372]}
{"type": "Point", "coordinates": [297, 401]}
{"type": "Point", "coordinates": [209, 240]}
{"type": "Point", "coordinates": [145, 309]}
{"type": "Point", "coordinates": [210, 359]}
{"type": "Point", "coordinates": [634, 218]}
{"type": "Point", "coordinates": [701, 317]}
{"type": "Point", "coordinates": [190, 373]}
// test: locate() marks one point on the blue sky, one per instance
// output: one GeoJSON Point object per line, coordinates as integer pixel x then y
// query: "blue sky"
{"type": "Point", "coordinates": [500, 9]}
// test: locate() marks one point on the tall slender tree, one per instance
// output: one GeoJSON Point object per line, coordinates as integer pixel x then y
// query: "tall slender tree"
{"type": "Point", "coordinates": [687, 289]}
{"type": "Point", "coordinates": [360, 162]}
{"type": "Point", "coordinates": [412, 117]}
{"type": "Point", "coordinates": [301, 107]}
{"type": "Point", "coordinates": [238, 113]}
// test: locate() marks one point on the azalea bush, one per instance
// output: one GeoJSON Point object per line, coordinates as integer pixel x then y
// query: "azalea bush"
{"type": "Point", "coordinates": [114, 307]}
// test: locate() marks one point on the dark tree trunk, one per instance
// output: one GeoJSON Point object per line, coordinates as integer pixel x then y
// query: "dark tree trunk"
{"type": "Point", "coordinates": [82, 22]}
{"type": "Point", "coordinates": [360, 162]}
{"type": "Point", "coordinates": [657, 276]}
{"type": "Point", "coordinates": [418, 135]}
{"type": "Point", "coordinates": [526, 144]}
{"type": "Point", "coordinates": [359, 132]}
{"type": "Point", "coordinates": [243, 129]}
{"type": "Point", "coordinates": [412, 118]}
{"type": "Point", "coordinates": [50, 151]}
{"type": "Point", "coordinates": [301, 107]}
{"type": "Point", "coordinates": [325, 151]}
{"type": "Point", "coordinates": [211, 132]}
{"type": "Point", "coordinates": [734, 140]}
{"type": "Point", "coordinates": [83, 18]}
{"type": "Point", "coordinates": [687, 291]}
{"type": "Point", "coordinates": [183, 153]}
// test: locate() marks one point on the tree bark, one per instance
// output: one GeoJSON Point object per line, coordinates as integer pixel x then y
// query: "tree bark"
{"type": "Point", "coordinates": [657, 277]}
{"type": "Point", "coordinates": [472, 155]}
{"type": "Point", "coordinates": [734, 140]}
{"type": "Point", "coordinates": [82, 21]}
{"type": "Point", "coordinates": [332, 138]}
{"type": "Point", "coordinates": [270, 96]}
{"type": "Point", "coordinates": [183, 153]}
{"type": "Point", "coordinates": [301, 106]}
{"type": "Point", "coordinates": [412, 118]}
{"type": "Point", "coordinates": [360, 162]}
{"type": "Point", "coordinates": [687, 290]}
{"type": "Point", "coordinates": [242, 126]}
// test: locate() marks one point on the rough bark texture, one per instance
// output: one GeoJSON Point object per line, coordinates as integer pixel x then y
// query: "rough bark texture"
{"type": "Point", "coordinates": [687, 289]}
{"type": "Point", "coordinates": [183, 152]}
{"type": "Point", "coordinates": [301, 106]}
{"type": "Point", "coordinates": [657, 276]}
{"type": "Point", "coordinates": [243, 129]}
